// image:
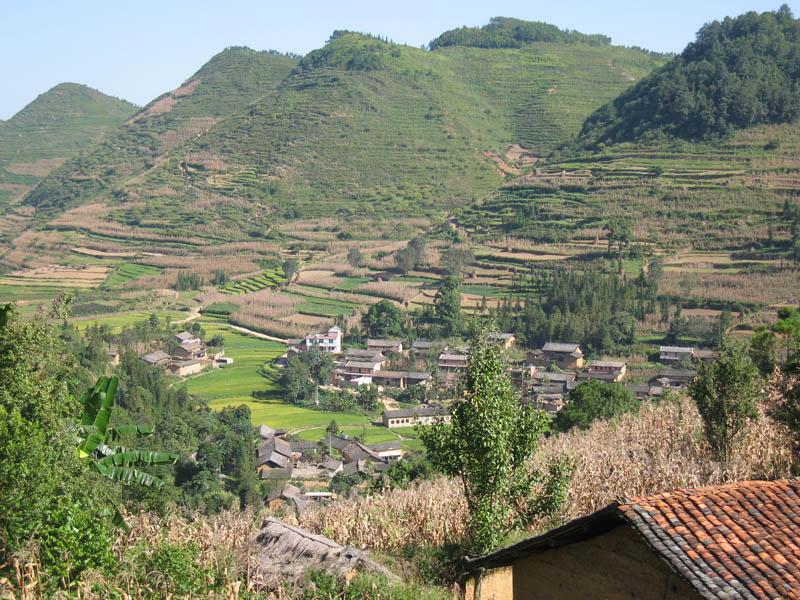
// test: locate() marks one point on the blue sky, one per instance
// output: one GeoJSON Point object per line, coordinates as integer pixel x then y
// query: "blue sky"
{"type": "Point", "coordinates": [137, 50]}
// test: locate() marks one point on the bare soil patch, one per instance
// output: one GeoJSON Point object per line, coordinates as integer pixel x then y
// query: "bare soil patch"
{"type": "Point", "coordinates": [40, 168]}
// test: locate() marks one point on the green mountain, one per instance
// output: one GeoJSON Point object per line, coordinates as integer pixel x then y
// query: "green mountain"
{"type": "Point", "coordinates": [51, 129]}
{"type": "Point", "coordinates": [226, 84]}
{"type": "Point", "coordinates": [702, 153]}
{"type": "Point", "coordinates": [739, 72]}
{"type": "Point", "coordinates": [358, 127]}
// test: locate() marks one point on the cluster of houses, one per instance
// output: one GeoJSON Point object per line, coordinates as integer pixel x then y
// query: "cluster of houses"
{"type": "Point", "coordinates": [550, 373]}
{"type": "Point", "coordinates": [543, 378]}
{"type": "Point", "coordinates": [357, 366]}
{"type": "Point", "coordinates": [310, 463]}
{"type": "Point", "coordinates": [189, 357]}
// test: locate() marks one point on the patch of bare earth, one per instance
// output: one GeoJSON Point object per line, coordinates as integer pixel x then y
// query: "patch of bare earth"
{"type": "Point", "coordinates": [39, 168]}
{"type": "Point", "coordinates": [165, 104]}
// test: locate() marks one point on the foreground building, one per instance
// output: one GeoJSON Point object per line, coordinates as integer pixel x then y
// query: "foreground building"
{"type": "Point", "coordinates": [730, 541]}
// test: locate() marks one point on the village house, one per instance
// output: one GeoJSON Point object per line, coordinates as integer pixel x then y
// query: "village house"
{"type": "Point", "coordinates": [549, 403]}
{"type": "Point", "coordinates": [389, 451]}
{"type": "Point", "coordinates": [566, 356]}
{"type": "Point", "coordinates": [737, 540]}
{"type": "Point", "coordinates": [113, 357]}
{"type": "Point", "coordinates": [186, 336]}
{"type": "Point", "coordinates": [504, 340]}
{"type": "Point", "coordinates": [385, 346]}
{"type": "Point", "coordinates": [185, 368]}
{"type": "Point", "coordinates": [366, 354]}
{"type": "Point", "coordinates": [422, 346]}
{"type": "Point", "coordinates": [274, 453]}
{"type": "Point", "coordinates": [675, 378]}
{"type": "Point", "coordinates": [673, 354]}
{"type": "Point", "coordinates": [157, 358]}
{"type": "Point", "coordinates": [522, 375]}
{"type": "Point", "coordinates": [329, 342]}
{"type": "Point", "coordinates": [361, 367]}
{"type": "Point", "coordinates": [610, 371]}
{"type": "Point", "coordinates": [332, 467]}
{"type": "Point", "coordinates": [400, 379]}
{"type": "Point", "coordinates": [563, 382]}
{"type": "Point", "coordinates": [644, 391]}
{"type": "Point", "coordinates": [355, 451]}
{"type": "Point", "coordinates": [421, 415]}
{"type": "Point", "coordinates": [191, 349]}
{"type": "Point", "coordinates": [700, 354]}
{"type": "Point", "coordinates": [450, 362]}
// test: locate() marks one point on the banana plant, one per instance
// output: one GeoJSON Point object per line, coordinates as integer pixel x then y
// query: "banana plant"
{"type": "Point", "coordinates": [115, 462]}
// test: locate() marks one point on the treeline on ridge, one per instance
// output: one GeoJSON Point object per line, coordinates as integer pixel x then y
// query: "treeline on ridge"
{"type": "Point", "coordinates": [739, 72]}
{"type": "Point", "coordinates": [505, 32]}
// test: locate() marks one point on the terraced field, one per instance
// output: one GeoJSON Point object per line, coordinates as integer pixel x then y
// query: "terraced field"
{"type": "Point", "coordinates": [267, 279]}
{"type": "Point", "coordinates": [127, 272]}
{"type": "Point", "coordinates": [682, 194]}
{"type": "Point", "coordinates": [118, 321]}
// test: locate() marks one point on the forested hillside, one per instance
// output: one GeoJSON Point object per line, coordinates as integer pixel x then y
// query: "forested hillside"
{"type": "Point", "coordinates": [52, 128]}
{"type": "Point", "coordinates": [739, 72]}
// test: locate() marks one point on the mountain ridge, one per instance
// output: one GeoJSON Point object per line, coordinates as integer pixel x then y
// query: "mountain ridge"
{"type": "Point", "coordinates": [360, 126]}
{"type": "Point", "coordinates": [50, 129]}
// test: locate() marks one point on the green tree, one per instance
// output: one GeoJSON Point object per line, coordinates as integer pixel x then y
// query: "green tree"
{"type": "Point", "coordinates": [368, 397]}
{"type": "Point", "coordinates": [405, 260]}
{"type": "Point", "coordinates": [455, 260]}
{"type": "Point", "coordinates": [46, 492]}
{"type": "Point", "coordinates": [383, 319]}
{"type": "Point", "coordinates": [488, 446]}
{"type": "Point", "coordinates": [354, 258]}
{"type": "Point", "coordinates": [594, 400]}
{"type": "Point", "coordinates": [447, 306]}
{"type": "Point", "coordinates": [289, 270]}
{"type": "Point", "coordinates": [727, 393]}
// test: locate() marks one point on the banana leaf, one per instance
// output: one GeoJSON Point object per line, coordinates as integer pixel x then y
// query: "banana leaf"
{"type": "Point", "coordinates": [116, 432]}
{"type": "Point", "coordinates": [129, 475]}
{"type": "Point", "coordinates": [98, 403]}
{"type": "Point", "coordinates": [138, 457]}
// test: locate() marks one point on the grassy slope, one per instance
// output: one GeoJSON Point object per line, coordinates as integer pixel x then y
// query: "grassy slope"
{"type": "Point", "coordinates": [409, 135]}
{"type": "Point", "coordinates": [404, 137]}
{"type": "Point", "coordinates": [726, 195]}
{"type": "Point", "coordinates": [54, 127]}
{"type": "Point", "coordinates": [224, 85]}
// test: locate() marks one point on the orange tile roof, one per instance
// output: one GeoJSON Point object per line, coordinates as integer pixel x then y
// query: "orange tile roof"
{"type": "Point", "coordinates": [740, 540]}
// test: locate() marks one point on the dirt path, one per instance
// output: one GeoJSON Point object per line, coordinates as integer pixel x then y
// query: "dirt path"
{"type": "Point", "coordinates": [262, 336]}
{"type": "Point", "coordinates": [194, 313]}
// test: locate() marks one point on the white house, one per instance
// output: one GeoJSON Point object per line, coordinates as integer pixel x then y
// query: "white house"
{"type": "Point", "coordinates": [329, 342]}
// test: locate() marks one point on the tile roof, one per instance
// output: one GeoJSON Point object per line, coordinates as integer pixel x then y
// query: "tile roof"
{"type": "Point", "coordinates": [739, 540]}
{"type": "Point", "coordinates": [561, 348]}
{"type": "Point", "coordinates": [736, 540]}
{"type": "Point", "coordinates": [676, 349]}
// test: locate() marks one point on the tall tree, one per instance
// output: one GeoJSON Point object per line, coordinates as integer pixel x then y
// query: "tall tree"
{"type": "Point", "coordinates": [727, 392]}
{"type": "Point", "coordinates": [488, 447]}
{"type": "Point", "coordinates": [383, 319]}
{"type": "Point", "coordinates": [447, 306]}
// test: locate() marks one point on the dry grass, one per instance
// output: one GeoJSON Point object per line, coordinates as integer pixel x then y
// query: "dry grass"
{"type": "Point", "coordinates": [660, 448]}
{"type": "Point", "coordinates": [391, 290]}
{"type": "Point", "coordinates": [318, 278]}
{"type": "Point", "coordinates": [776, 287]}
